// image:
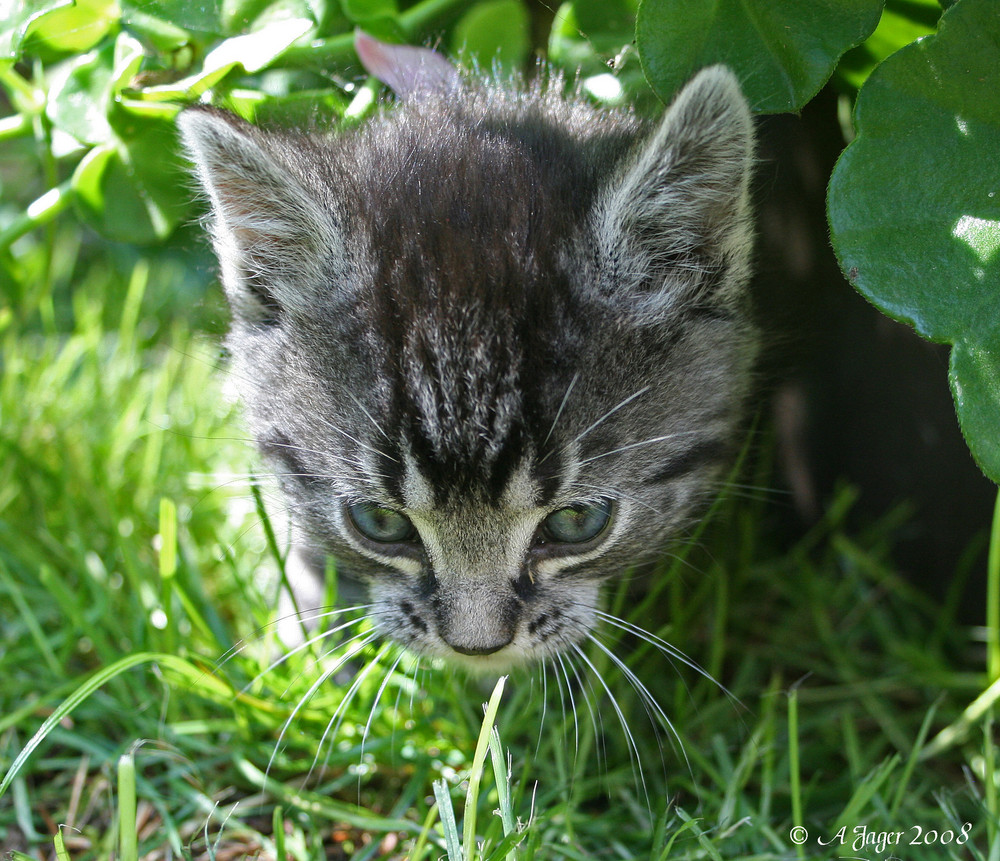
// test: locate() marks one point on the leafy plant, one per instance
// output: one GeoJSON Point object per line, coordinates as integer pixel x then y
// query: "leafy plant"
{"type": "Point", "coordinates": [120, 572]}
{"type": "Point", "coordinates": [914, 205]}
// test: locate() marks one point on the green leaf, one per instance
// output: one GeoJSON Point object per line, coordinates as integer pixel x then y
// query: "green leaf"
{"type": "Point", "coordinates": [902, 22]}
{"type": "Point", "coordinates": [79, 103]}
{"type": "Point", "coordinates": [164, 36]}
{"type": "Point", "coordinates": [914, 205]}
{"type": "Point", "coordinates": [14, 22]}
{"type": "Point", "coordinates": [68, 27]}
{"type": "Point", "coordinates": [782, 50]}
{"type": "Point", "coordinates": [133, 189]}
{"type": "Point", "coordinates": [302, 109]}
{"type": "Point", "coordinates": [496, 31]}
{"type": "Point", "coordinates": [593, 39]}
{"type": "Point", "coordinates": [203, 16]}
{"type": "Point", "coordinates": [360, 10]}
{"type": "Point", "coordinates": [247, 16]}
{"type": "Point", "coordinates": [257, 50]}
{"type": "Point", "coordinates": [587, 33]}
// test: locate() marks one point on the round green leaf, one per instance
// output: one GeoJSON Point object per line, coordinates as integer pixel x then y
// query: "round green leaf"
{"type": "Point", "coordinates": [133, 189]}
{"type": "Point", "coordinates": [782, 50]}
{"type": "Point", "coordinates": [586, 34]}
{"type": "Point", "coordinates": [15, 21]}
{"type": "Point", "coordinates": [499, 30]}
{"type": "Point", "coordinates": [914, 205]}
{"type": "Point", "coordinates": [70, 27]}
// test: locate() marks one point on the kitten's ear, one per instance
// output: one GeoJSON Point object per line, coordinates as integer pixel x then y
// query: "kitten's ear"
{"type": "Point", "coordinates": [272, 237]}
{"type": "Point", "coordinates": [410, 72]}
{"type": "Point", "coordinates": [675, 226]}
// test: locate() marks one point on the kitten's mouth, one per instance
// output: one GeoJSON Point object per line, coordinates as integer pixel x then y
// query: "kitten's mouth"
{"type": "Point", "coordinates": [477, 652]}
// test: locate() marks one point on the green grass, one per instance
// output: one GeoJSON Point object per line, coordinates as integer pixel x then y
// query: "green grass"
{"type": "Point", "coordinates": [130, 565]}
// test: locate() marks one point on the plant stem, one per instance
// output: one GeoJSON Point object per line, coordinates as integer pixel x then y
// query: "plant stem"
{"type": "Point", "coordinates": [993, 669]}
{"type": "Point", "coordinates": [39, 213]}
{"type": "Point", "coordinates": [15, 126]}
{"type": "Point", "coordinates": [993, 599]}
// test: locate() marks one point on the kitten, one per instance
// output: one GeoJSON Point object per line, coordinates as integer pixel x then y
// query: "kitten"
{"type": "Point", "coordinates": [496, 341]}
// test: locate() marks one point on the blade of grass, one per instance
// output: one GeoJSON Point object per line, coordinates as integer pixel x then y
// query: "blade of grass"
{"type": "Point", "coordinates": [993, 597]}
{"type": "Point", "coordinates": [959, 729]}
{"type": "Point", "coordinates": [794, 772]}
{"type": "Point", "coordinates": [128, 839]}
{"type": "Point", "coordinates": [478, 761]}
{"type": "Point", "coordinates": [313, 802]}
{"type": "Point", "coordinates": [865, 791]}
{"type": "Point", "coordinates": [168, 566]}
{"type": "Point", "coordinates": [993, 668]}
{"type": "Point", "coordinates": [911, 761]}
{"type": "Point", "coordinates": [60, 846]}
{"type": "Point", "coordinates": [92, 683]}
{"type": "Point", "coordinates": [425, 830]}
{"type": "Point", "coordinates": [502, 775]}
{"type": "Point", "coordinates": [30, 620]}
{"type": "Point", "coordinates": [448, 825]}
{"type": "Point", "coordinates": [278, 832]}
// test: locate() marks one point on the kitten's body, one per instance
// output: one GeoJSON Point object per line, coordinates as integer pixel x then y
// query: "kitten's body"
{"type": "Point", "coordinates": [496, 344]}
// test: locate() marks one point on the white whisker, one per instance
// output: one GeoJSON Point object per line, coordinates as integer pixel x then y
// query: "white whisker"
{"type": "Point", "coordinates": [354, 439]}
{"type": "Point", "coordinates": [670, 651]}
{"type": "Point", "coordinates": [600, 421]}
{"type": "Point", "coordinates": [234, 650]}
{"type": "Point", "coordinates": [649, 702]}
{"type": "Point", "coordinates": [562, 405]}
{"type": "Point", "coordinates": [371, 711]}
{"type": "Point", "coordinates": [639, 444]}
{"type": "Point", "coordinates": [572, 706]}
{"type": "Point", "coordinates": [545, 704]}
{"type": "Point", "coordinates": [337, 718]}
{"type": "Point", "coordinates": [375, 424]}
{"type": "Point", "coordinates": [634, 755]}
{"type": "Point", "coordinates": [315, 686]}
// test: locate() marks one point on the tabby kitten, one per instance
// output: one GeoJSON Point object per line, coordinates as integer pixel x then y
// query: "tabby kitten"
{"type": "Point", "coordinates": [495, 341]}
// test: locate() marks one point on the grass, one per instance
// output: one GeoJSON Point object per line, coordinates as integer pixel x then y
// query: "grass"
{"type": "Point", "coordinates": [139, 719]}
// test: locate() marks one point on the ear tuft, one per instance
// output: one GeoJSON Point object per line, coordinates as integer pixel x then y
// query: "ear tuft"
{"type": "Point", "coordinates": [271, 236]}
{"type": "Point", "coordinates": [409, 71]}
{"type": "Point", "coordinates": [675, 226]}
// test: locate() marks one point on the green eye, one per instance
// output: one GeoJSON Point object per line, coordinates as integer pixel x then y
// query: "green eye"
{"type": "Point", "coordinates": [377, 523]}
{"type": "Point", "coordinates": [577, 523]}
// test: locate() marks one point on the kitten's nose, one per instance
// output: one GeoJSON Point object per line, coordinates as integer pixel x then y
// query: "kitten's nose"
{"type": "Point", "coordinates": [474, 616]}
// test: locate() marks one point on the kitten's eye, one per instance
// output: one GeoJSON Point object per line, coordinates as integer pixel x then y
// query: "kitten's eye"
{"type": "Point", "coordinates": [381, 524]}
{"type": "Point", "coordinates": [577, 523]}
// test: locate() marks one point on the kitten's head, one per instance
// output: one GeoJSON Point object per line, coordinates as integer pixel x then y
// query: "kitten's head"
{"type": "Point", "coordinates": [495, 343]}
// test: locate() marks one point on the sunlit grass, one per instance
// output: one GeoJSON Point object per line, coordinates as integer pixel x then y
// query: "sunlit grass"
{"type": "Point", "coordinates": [137, 600]}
